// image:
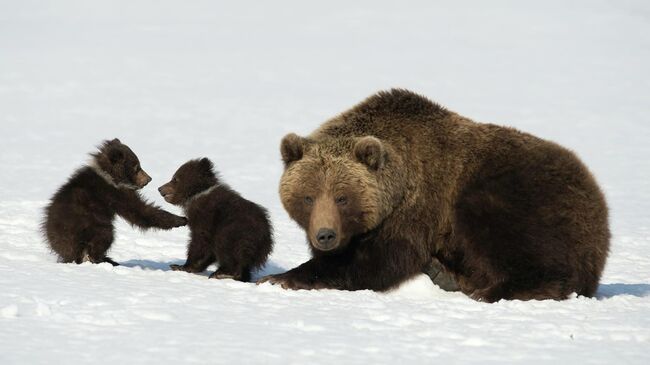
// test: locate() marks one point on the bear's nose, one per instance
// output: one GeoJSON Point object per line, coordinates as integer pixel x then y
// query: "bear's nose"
{"type": "Point", "coordinates": [160, 189]}
{"type": "Point", "coordinates": [326, 236]}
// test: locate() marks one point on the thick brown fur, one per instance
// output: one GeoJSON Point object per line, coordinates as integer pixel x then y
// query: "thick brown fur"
{"type": "Point", "coordinates": [224, 227]}
{"type": "Point", "coordinates": [398, 183]}
{"type": "Point", "coordinates": [78, 222]}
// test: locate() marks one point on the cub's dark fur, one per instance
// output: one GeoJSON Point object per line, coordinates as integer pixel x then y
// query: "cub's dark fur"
{"type": "Point", "coordinates": [78, 222]}
{"type": "Point", "coordinates": [225, 227]}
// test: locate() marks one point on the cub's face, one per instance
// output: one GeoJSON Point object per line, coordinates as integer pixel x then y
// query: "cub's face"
{"type": "Point", "coordinates": [190, 179]}
{"type": "Point", "coordinates": [121, 164]}
{"type": "Point", "coordinates": [331, 190]}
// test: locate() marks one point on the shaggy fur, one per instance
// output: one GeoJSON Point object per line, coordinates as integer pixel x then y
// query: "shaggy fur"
{"type": "Point", "coordinates": [78, 222]}
{"type": "Point", "coordinates": [398, 185]}
{"type": "Point", "coordinates": [225, 228]}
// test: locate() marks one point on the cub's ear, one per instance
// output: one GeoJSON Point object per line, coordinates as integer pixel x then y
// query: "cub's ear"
{"type": "Point", "coordinates": [205, 163]}
{"type": "Point", "coordinates": [115, 140]}
{"type": "Point", "coordinates": [370, 152]}
{"type": "Point", "coordinates": [292, 148]}
{"type": "Point", "coordinates": [115, 155]}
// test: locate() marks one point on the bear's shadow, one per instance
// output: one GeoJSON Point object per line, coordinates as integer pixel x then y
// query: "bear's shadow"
{"type": "Point", "coordinates": [605, 291]}
{"type": "Point", "coordinates": [613, 290]}
{"type": "Point", "coordinates": [269, 268]}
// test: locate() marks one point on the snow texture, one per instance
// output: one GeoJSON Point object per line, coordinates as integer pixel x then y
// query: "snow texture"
{"type": "Point", "coordinates": [180, 80]}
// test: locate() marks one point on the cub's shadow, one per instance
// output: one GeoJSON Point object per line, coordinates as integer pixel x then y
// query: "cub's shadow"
{"type": "Point", "coordinates": [269, 269]}
{"type": "Point", "coordinates": [612, 290]}
{"type": "Point", "coordinates": [151, 265]}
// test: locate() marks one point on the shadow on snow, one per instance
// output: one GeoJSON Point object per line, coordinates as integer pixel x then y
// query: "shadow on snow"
{"type": "Point", "coordinates": [269, 268]}
{"type": "Point", "coordinates": [613, 290]}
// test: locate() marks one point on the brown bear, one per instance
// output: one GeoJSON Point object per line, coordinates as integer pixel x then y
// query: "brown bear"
{"type": "Point", "coordinates": [78, 222]}
{"type": "Point", "coordinates": [398, 184]}
{"type": "Point", "coordinates": [224, 227]}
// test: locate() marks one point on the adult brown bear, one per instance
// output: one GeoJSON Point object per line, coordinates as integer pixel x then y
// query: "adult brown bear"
{"type": "Point", "coordinates": [398, 184]}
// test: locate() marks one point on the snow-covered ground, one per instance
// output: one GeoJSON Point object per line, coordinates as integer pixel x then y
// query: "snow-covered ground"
{"type": "Point", "coordinates": [178, 80]}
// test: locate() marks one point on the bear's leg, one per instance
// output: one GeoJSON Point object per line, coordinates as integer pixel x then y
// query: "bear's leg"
{"type": "Point", "coordinates": [232, 271]}
{"type": "Point", "coordinates": [235, 252]}
{"type": "Point", "coordinates": [441, 277]}
{"type": "Point", "coordinates": [98, 244]}
{"type": "Point", "coordinates": [199, 255]}
{"type": "Point", "coordinates": [74, 253]}
{"type": "Point", "coordinates": [378, 266]}
{"type": "Point", "coordinates": [111, 261]}
{"type": "Point", "coordinates": [144, 215]}
{"type": "Point", "coordinates": [194, 264]}
{"type": "Point", "coordinates": [69, 247]}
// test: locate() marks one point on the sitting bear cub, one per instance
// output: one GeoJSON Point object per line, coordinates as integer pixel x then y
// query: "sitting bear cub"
{"type": "Point", "coordinates": [78, 221]}
{"type": "Point", "coordinates": [224, 227]}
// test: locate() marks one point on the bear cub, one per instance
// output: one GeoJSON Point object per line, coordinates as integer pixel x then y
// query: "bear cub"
{"type": "Point", "coordinates": [78, 222]}
{"type": "Point", "coordinates": [224, 227]}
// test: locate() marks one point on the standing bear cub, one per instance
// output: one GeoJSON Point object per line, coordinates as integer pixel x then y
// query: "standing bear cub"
{"type": "Point", "coordinates": [397, 185]}
{"type": "Point", "coordinates": [224, 227]}
{"type": "Point", "coordinates": [78, 222]}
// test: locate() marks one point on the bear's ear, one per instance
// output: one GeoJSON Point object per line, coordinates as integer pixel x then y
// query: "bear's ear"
{"type": "Point", "coordinates": [115, 140]}
{"type": "Point", "coordinates": [370, 152]}
{"type": "Point", "coordinates": [206, 164]}
{"type": "Point", "coordinates": [292, 148]}
{"type": "Point", "coordinates": [115, 155]}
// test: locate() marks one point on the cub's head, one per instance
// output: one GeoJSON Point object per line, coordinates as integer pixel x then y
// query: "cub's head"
{"type": "Point", "coordinates": [337, 189]}
{"type": "Point", "coordinates": [192, 178]}
{"type": "Point", "coordinates": [119, 165]}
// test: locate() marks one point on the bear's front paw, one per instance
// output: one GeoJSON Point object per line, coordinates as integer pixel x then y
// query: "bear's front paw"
{"type": "Point", "coordinates": [168, 221]}
{"type": "Point", "coordinates": [290, 280]}
{"type": "Point", "coordinates": [487, 295]}
{"type": "Point", "coordinates": [111, 261]}
{"type": "Point", "coordinates": [178, 221]}
{"type": "Point", "coordinates": [176, 267]}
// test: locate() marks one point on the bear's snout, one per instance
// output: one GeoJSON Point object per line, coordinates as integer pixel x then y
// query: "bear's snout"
{"type": "Point", "coordinates": [167, 192]}
{"type": "Point", "coordinates": [142, 179]}
{"type": "Point", "coordinates": [325, 232]}
{"type": "Point", "coordinates": [326, 238]}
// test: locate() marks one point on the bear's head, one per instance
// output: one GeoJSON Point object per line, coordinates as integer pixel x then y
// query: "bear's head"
{"type": "Point", "coordinates": [117, 163]}
{"type": "Point", "coordinates": [338, 188]}
{"type": "Point", "coordinates": [192, 178]}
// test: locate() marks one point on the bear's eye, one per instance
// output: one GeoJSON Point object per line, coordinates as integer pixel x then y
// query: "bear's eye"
{"type": "Point", "coordinates": [136, 168]}
{"type": "Point", "coordinates": [341, 200]}
{"type": "Point", "coordinates": [309, 200]}
{"type": "Point", "coordinates": [175, 180]}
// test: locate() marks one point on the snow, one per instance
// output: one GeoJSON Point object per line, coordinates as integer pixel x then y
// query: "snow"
{"type": "Point", "coordinates": [179, 80]}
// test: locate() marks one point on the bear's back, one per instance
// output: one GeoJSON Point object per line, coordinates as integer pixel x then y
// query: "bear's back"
{"type": "Point", "coordinates": [379, 114]}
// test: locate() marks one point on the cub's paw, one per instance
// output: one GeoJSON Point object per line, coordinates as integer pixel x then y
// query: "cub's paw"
{"type": "Point", "coordinates": [178, 221]}
{"type": "Point", "coordinates": [101, 260]}
{"type": "Point", "coordinates": [110, 261]}
{"type": "Point", "coordinates": [168, 221]}
{"type": "Point", "coordinates": [238, 275]}
{"type": "Point", "coordinates": [176, 267]}
{"type": "Point", "coordinates": [221, 275]}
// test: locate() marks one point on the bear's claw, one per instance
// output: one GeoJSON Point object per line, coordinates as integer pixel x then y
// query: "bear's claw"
{"type": "Point", "coordinates": [176, 267]}
{"type": "Point", "coordinates": [290, 281]}
{"type": "Point", "coordinates": [220, 275]}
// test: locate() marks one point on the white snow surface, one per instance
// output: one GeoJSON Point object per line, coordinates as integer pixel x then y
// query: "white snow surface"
{"type": "Point", "coordinates": [178, 80]}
